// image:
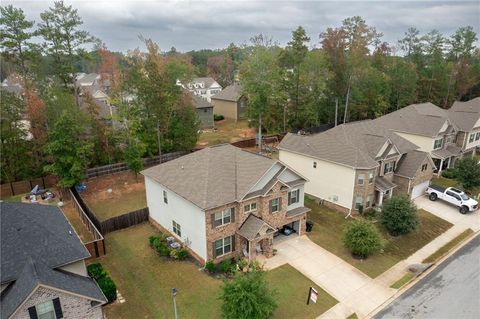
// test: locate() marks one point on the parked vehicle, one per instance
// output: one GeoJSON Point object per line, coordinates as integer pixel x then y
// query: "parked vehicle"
{"type": "Point", "coordinates": [453, 196]}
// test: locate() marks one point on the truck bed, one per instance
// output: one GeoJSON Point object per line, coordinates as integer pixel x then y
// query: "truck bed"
{"type": "Point", "coordinates": [438, 188]}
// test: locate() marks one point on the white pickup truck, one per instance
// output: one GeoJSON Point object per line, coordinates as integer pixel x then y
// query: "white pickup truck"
{"type": "Point", "coordinates": [453, 196]}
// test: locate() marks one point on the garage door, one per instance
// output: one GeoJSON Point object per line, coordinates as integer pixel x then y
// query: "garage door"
{"type": "Point", "coordinates": [419, 189]}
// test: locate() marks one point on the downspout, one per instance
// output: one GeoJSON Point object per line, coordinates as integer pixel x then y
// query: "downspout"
{"type": "Point", "coordinates": [353, 192]}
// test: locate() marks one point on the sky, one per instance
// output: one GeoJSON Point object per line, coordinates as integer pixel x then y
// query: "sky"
{"type": "Point", "coordinates": [192, 25]}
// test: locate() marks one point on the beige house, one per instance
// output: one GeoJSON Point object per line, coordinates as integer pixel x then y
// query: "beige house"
{"type": "Point", "coordinates": [223, 202]}
{"type": "Point", "coordinates": [357, 165]}
{"type": "Point", "coordinates": [43, 273]}
{"type": "Point", "coordinates": [466, 117]}
{"type": "Point", "coordinates": [230, 102]}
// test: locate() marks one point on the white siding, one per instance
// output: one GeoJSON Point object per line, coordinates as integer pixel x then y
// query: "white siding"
{"type": "Point", "coordinates": [190, 217]}
{"type": "Point", "coordinates": [328, 181]}
{"type": "Point", "coordinates": [474, 143]}
{"type": "Point", "coordinates": [425, 143]}
{"type": "Point", "coordinates": [444, 127]}
{"type": "Point", "coordinates": [267, 177]}
{"type": "Point", "coordinates": [288, 176]}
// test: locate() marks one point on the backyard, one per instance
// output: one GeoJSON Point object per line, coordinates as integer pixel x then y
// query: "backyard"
{"type": "Point", "coordinates": [145, 280]}
{"type": "Point", "coordinates": [328, 231]}
{"type": "Point", "coordinates": [74, 219]}
{"type": "Point", "coordinates": [127, 194]}
{"type": "Point", "coordinates": [226, 131]}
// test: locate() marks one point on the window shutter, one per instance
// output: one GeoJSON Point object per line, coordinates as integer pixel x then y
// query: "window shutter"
{"type": "Point", "coordinates": [279, 204]}
{"type": "Point", "coordinates": [232, 213]}
{"type": "Point", "coordinates": [233, 243]}
{"type": "Point", "coordinates": [289, 198]}
{"type": "Point", "coordinates": [58, 308]}
{"type": "Point", "coordinates": [270, 206]}
{"type": "Point", "coordinates": [213, 220]}
{"type": "Point", "coordinates": [32, 311]}
{"type": "Point", "coordinates": [214, 251]}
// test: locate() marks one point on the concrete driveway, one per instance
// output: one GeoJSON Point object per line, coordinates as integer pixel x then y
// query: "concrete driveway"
{"type": "Point", "coordinates": [355, 291]}
{"type": "Point", "coordinates": [450, 213]}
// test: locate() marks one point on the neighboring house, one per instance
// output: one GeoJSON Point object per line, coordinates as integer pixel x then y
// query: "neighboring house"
{"type": "Point", "coordinates": [223, 202]}
{"type": "Point", "coordinates": [466, 117]}
{"type": "Point", "coordinates": [94, 85]}
{"type": "Point", "coordinates": [204, 111]}
{"type": "Point", "coordinates": [230, 102]}
{"type": "Point", "coordinates": [357, 165]}
{"type": "Point", "coordinates": [204, 87]}
{"type": "Point", "coordinates": [43, 273]}
{"type": "Point", "coordinates": [430, 128]}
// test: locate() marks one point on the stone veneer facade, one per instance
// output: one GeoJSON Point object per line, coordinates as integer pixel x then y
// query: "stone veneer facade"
{"type": "Point", "coordinates": [365, 190]}
{"type": "Point", "coordinates": [275, 220]}
{"type": "Point", "coordinates": [73, 306]}
{"type": "Point", "coordinates": [420, 177]}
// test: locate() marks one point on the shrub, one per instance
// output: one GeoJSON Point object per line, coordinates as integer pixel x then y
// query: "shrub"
{"type": "Point", "coordinates": [362, 238]}
{"type": "Point", "coordinates": [151, 239]}
{"type": "Point", "coordinates": [105, 283]}
{"type": "Point", "coordinates": [210, 266]}
{"type": "Point", "coordinates": [218, 117]}
{"type": "Point", "coordinates": [248, 296]}
{"type": "Point", "coordinates": [182, 253]}
{"type": "Point", "coordinates": [242, 263]}
{"type": "Point", "coordinates": [399, 215]}
{"type": "Point", "coordinates": [369, 213]}
{"type": "Point", "coordinates": [468, 172]}
{"type": "Point", "coordinates": [161, 247]}
{"type": "Point", "coordinates": [108, 287]}
{"type": "Point", "coordinates": [96, 271]}
{"type": "Point", "coordinates": [225, 266]}
{"type": "Point", "coordinates": [449, 173]}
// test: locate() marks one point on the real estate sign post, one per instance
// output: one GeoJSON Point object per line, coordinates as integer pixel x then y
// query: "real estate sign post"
{"type": "Point", "coordinates": [312, 295]}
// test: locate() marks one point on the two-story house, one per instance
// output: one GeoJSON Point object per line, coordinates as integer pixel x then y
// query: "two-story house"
{"type": "Point", "coordinates": [466, 117]}
{"type": "Point", "coordinates": [223, 202]}
{"type": "Point", "coordinates": [205, 87]}
{"type": "Point", "coordinates": [357, 165]}
{"type": "Point", "coordinates": [430, 128]}
{"type": "Point", "coordinates": [43, 273]}
{"type": "Point", "coordinates": [230, 102]}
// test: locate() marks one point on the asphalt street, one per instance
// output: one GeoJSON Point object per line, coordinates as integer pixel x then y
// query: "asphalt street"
{"type": "Point", "coordinates": [451, 291]}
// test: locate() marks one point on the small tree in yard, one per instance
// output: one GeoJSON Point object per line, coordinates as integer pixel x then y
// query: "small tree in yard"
{"type": "Point", "coordinates": [362, 238]}
{"type": "Point", "coordinates": [399, 215]}
{"type": "Point", "coordinates": [468, 172]}
{"type": "Point", "coordinates": [133, 156]}
{"type": "Point", "coordinates": [248, 297]}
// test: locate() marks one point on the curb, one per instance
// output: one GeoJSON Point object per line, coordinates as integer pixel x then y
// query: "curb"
{"type": "Point", "coordinates": [427, 271]}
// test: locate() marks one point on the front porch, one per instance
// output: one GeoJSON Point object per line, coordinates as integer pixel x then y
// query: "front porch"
{"type": "Point", "coordinates": [383, 190]}
{"type": "Point", "coordinates": [445, 158]}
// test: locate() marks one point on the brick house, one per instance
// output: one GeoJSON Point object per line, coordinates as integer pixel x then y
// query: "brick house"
{"type": "Point", "coordinates": [357, 165]}
{"type": "Point", "coordinates": [43, 273]}
{"type": "Point", "coordinates": [224, 202]}
{"type": "Point", "coordinates": [466, 117]}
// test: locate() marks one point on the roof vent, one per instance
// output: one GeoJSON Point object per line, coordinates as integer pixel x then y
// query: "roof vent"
{"type": "Point", "coordinates": [70, 232]}
{"type": "Point", "coordinates": [181, 167]}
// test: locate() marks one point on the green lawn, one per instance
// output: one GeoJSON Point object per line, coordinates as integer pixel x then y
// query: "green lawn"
{"type": "Point", "coordinates": [442, 251]}
{"type": "Point", "coordinates": [292, 288]}
{"type": "Point", "coordinates": [105, 208]}
{"type": "Point", "coordinates": [402, 281]}
{"type": "Point", "coordinates": [144, 280]}
{"type": "Point", "coordinates": [328, 231]}
{"type": "Point", "coordinates": [227, 131]}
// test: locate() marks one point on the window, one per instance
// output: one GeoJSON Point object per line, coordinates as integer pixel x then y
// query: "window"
{"type": "Point", "coordinates": [314, 164]}
{"type": "Point", "coordinates": [45, 310]}
{"type": "Point", "coordinates": [205, 110]}
{"type": "Point", "coordinates": [477, 136]}
{"type": "Point", "coordinates": [250, 207]}
{"type": "Point", "coordinates": [358, 201]}
{"type": "Point", "coordinates": [453, 195]}
{"type": "Point", "coordinates": [274, 205]}
{"type": "Point", "coordinates": [224, 217]}
{"type": "Point", "coordinates": [165, 198]}
{"type": "Point", "coordinates": [177, 229]}
{"type": "Point", "coordinates": [361, 179]}
{"type": "Point", "coordinates": [451, 139]}
{"type": "Point", "coordinates": [293, 197]}
{"type": "Point", "coordinates": [370, 178]}
{"type": "Point", "coordinates": [368, 201]}
{"type": "Point", "coordinates": [224, 246]}
{"type": "Point", "coordinates": [472, 137]}
{"type": "Point", "coordinates": [438, 144]}
{"type": "Point", "coordinates": [424, 167]}
{"type": "Point", "coordinates": [388, 168]}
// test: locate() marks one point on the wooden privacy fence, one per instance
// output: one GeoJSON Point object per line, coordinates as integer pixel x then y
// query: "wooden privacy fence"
{"type": "Point", "coordinates": [120, 167]}
{"type": "Point", "coordinates": [22, 187]}
{"type": "Point", "coordinates": [252, 142]}
{"type": "Point", "coordinates": [124, 221]}
{"type": "Point", "coordinates": [86, 209]}
{"type": "Point", "coordinates": [96, 247]}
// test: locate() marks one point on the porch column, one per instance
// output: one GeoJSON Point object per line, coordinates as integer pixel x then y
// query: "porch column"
{"type": "Point", "coordinates": [440, 168]}
{"type": "Point", "coordinates": [380, 198]}
{"type": "Point", "coordinates": [390, 194]}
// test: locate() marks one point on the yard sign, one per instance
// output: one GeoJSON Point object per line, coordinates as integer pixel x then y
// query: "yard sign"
{"type": "Point", "coordinates": [313, 295]}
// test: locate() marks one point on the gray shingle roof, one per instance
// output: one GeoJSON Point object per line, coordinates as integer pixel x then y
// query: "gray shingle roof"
{"type": "Point", "coordinates": [208, 81]}
{"type": "Point", "coordinates": [88, 79]}
{"type": "Point", "coordinates": [384, 184]}
{"type": "Point", "coordinates": [35, 273]}
{"type": "Point", "coordinates": [251, 227]}
{"type": "Point", "coordinates": [450, 150]}
{"type": "Point", "coordinates": [465, 114]}
{"type": "Point", "coordinates": [230, 93]}
{"type": "Point", "coordinates": [213, 176]}
{"type": "Point", "coordinates": [409, 163]}
{"type": "Point", "coordinates": [354, 144]}
{"type": "Point", "coordinates": [36, 239]}
{"type": "Point", "coordinates": [297, 211]}
{"type": "Point", "coordinates": [199, 102]}
{"type": "Point", "coordinates": [422, 119]}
